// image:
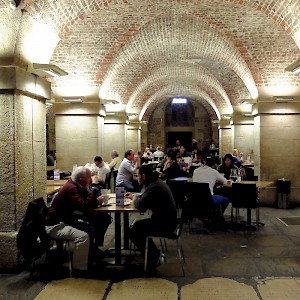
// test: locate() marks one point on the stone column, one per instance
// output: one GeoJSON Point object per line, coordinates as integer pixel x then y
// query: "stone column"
{"type": "Point", "coordinates": [114, 136]}
{"type": "Point", "coordinates": [22, 152]}
{"type": "Point", "coordinates": [79, 133]}
{"type": "Point", "coordinates": [225, 138]}
{"type": "Point", "coordinates": [279, 125]}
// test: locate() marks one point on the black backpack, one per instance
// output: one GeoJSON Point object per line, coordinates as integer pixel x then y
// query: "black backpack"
{"type": "Point", "coordinates": [32, 239]}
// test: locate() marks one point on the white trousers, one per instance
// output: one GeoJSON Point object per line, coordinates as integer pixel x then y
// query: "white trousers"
{"type": "Point", "coordinates": [80, 238]}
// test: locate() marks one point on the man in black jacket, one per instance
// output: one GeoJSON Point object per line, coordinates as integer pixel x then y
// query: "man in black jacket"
{"type": "Point", "coordinates": [158, 198]}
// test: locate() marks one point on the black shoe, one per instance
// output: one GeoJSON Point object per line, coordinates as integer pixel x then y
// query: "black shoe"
{"type": "Point", "coordinates": [81, 274]}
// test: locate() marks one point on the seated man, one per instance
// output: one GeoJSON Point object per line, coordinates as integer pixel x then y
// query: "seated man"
{"type": "Point", "coordinates": [72, 204]}
{"type": "Point", "coordinates": [99, 171]}
{"type": "Point", "coordinates": [126, 171]}
{"type": "Point", "coordinates": [211, 176]}
{"type": "Point", "coordinates": [158, 198]}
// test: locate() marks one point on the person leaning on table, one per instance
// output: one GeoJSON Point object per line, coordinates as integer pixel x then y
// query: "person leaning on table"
{"type": "Point", "coordinates": [211, 176]}
{"type": "Point", "coordinates": [126, 171]}
{"type": "Point", "coordinates": [68, 213]}
{"type": "Point", "coordinates": [158, 198]}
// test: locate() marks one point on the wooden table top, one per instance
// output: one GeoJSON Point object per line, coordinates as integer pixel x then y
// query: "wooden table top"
{"type": "Point", "coordinates": [117, 208]}
{"type": "Point", "coordinates": [51, 189]}
{"type": "Point", "coordinates": [60, 182]}
{"type": "Point", "coordinates": [259, 184]}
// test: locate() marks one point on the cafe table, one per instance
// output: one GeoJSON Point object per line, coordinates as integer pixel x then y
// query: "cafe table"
{"type": "Point", "coordinates": [60, 182]}
{"type": "Point", "coordinates": [259, 184]}
{"type": "Point", "coordinates": [118, 210]}
{"type": "Point", "coordinates": [51, 189]}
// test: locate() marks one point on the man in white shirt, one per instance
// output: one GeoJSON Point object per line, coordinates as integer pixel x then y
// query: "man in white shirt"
{"type": "Point", "coordinates": [159, 153]}
{"type": "Point", "coordinates": [211, 176]}
{"type": "Point", "coordinates": [99, 170]}
{"type": "Point", "coordinates": [126, 171]}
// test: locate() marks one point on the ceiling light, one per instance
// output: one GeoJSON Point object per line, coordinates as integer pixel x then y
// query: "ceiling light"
{"type": "Point", "coordinates": [179, 100]}
{"type": "Point", "coordinates": [283, 98]}
{"type": "Point", "coordinates": [46, 70]}
{"type": "Point", "coordinates": [73, 99]}
{"type": "Point", "coordinates": [294, 67]}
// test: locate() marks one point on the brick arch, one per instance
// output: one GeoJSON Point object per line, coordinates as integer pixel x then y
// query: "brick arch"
{"type": "Point", "coordinates": [184, 71]}
{"type": "Point", "coordinates": [131, 54]}
{"type": "Point", "coordinates": [176, 89]}
{"type": "Point", "coordinates": [62, 17]}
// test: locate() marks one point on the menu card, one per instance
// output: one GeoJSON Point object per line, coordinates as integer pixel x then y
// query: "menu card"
{"type": "Point", "coordinates": [120, 195]}
{"type": "Point", "coordinates": [56, 174]}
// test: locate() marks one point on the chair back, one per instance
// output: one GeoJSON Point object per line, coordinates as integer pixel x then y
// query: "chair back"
{"type": "Point", "coordinates": [178, 189]}
{"type": "Point", "coordinates": [32, 239]}
{"type": "Point", "coordinates": [244, 195]}
{"type": "Point", "coordinates": [200, 203]}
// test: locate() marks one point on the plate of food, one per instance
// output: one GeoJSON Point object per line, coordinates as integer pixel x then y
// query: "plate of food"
{"type": "Point", "coordinates": [127, 201]}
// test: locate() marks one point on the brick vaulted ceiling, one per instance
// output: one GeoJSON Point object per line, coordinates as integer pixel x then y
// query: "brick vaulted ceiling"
{"type": "Point", "coordinates": [142, 52]}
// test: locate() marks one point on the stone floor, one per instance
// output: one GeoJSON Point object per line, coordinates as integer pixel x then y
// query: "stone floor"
{"type": "Point", "coordinates": [246, 257]}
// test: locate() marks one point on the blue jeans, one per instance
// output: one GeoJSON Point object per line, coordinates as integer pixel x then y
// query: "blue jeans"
{"type": "Point", "coordinates": [218, 199]}
{"type": "Point", "coordinates": [127, 185]}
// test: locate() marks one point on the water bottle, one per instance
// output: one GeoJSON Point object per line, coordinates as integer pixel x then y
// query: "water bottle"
{"type": "Point", "coordinates": [239, 175]}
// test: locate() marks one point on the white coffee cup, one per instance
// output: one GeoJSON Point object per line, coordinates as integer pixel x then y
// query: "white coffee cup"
{"type": "Point", "coordinates": [106, 197]}
{"type": "Point", "coordinates": [104, 191]}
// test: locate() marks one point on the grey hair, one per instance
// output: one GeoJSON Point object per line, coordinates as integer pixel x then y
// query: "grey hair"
{"type": "Point", "coordinates": [79, 173]}
{"type": "Point", "coordinates": [115, 153]}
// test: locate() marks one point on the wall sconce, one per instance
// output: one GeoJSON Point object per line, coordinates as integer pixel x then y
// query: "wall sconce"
{"type": "Point", "coordinates": [294, 67]}
{"type": "Point", "coordinates": [73, 99]}
{"type": "Point", "coordinates": [46, 70]}
{"type": "Point", "coordinates": [226, 116]}
{"type": "Point", "coordinates": [283, 98]}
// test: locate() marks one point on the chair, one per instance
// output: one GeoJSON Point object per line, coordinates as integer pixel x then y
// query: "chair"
{"type": "Point", "coordinates": [32, 239]}
{"type": "Point", "coordinates": [175, 236]}
{"type": "Point", "coordinates": [200, 204]}
{"type": "Point", "coordinates": [245, 196]}
{"type": "Point", "coordinates": [178, 189]}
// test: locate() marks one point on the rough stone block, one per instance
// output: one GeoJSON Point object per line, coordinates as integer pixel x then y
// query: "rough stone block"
{"type": "Point", "coordinates": [8, 250]}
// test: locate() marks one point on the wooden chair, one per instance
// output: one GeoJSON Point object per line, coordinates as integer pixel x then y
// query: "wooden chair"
{"type": "Point", "coordinates": [245, 196]}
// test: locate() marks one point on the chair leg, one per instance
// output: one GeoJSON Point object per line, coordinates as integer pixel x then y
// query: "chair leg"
{"type": "Point", "coordinates": [181, 255]}
{"type": "Point", "coordinates": [257, 218]}
{"type": "Point", "coordinates": [162, 246]}
{"type": "Point", "coordinates": [146, 255]}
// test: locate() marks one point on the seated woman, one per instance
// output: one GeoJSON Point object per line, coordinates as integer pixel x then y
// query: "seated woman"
{"type": "Point", "coordinates": [197, 155]}
{"type": "Point", "coordinates": [227, 165]}
{"type": "Point", "coordinates": [171, 168]}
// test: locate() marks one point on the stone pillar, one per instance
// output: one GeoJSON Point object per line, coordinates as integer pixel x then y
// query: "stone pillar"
{"type": "Point", "coordinates": [279, 147]}
{"type": "Point", "coordinates": [22, 152]}
{"type": "Point", "coordinates": [243, 138]}
{"type": "Point", "coordinates": [225, 138]}
{"type": "Point", "coordinates": [114, 136]}
{"type": "Point", "coordinates": [79, 133]}
{"type": "Point", "coordinates": [134, 137]}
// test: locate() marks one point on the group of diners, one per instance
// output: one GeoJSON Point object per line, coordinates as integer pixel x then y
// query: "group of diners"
{"type": "Point", "coordinates": [72, 215]}
{"type": "Point", "coordinates": [72, 212]}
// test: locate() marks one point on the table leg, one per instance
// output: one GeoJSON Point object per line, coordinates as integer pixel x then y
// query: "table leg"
{"type": "Point", "coordinates": [248, 216]}
{"type": "Point", "coordinates": [126, 229]}
{"type": "Point", "coordinates": [117, 238]}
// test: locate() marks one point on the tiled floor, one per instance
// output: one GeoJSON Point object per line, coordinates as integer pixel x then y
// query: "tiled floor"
{"type": "Point", "coordinates": [273, 251]}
